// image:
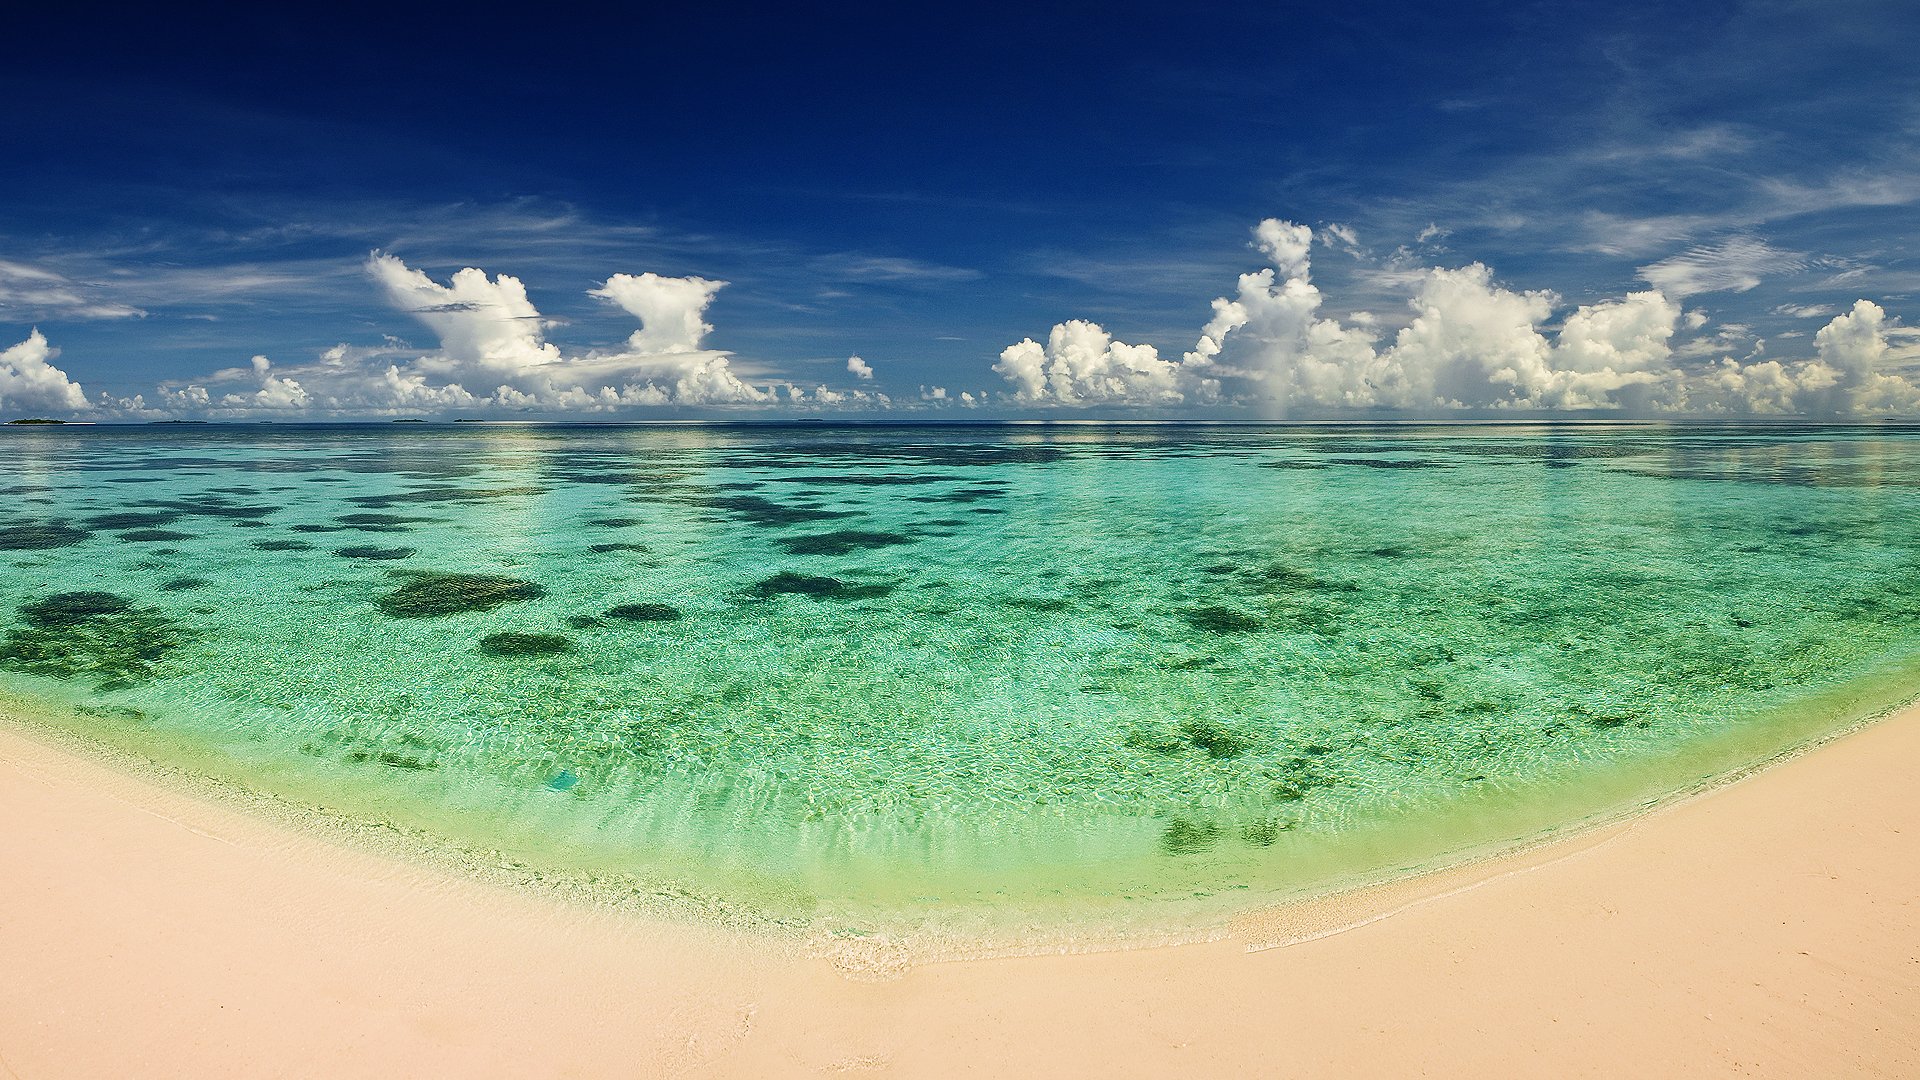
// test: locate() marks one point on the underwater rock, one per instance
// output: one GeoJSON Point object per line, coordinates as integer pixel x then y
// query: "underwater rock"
{"type": "Point", "coordinates": [1264, 832]}
{"type": "Point", "coordinates": [72, 608]}
{"type": "Point", "coordinates": [819, 588]}
{"type": "Point", "coordinates": [643, 612]}
{"type": "Point", "coordinates": [111, 712]}
{"type": "Point", "coordinates": [759, 510]}
{"type": "Point", "coordinates": [91, 635]}
{"type": "Point", "coordinates": [1221, 620]}
{"type": "Point", "coordinates": [842, 542]}
{"type": "Point", "coordinates": [375, 553]}
{"type": "Point", "coordinates": [1218, 740]}
{"type": "Point", "coordinates": [1183, 837]}
{"type": "Point", "coordinates": [37, 536]}
{"type": "Point", "coordinates": [372, 522]}
{"type": "Point", "coordinates": [132, 520]}
{"type": "Point", "coordinates": [153, 536]}
{"type": "Point", "coordinates": [432, 594]}
{"type": "Point", "coordinates": [516, 643]}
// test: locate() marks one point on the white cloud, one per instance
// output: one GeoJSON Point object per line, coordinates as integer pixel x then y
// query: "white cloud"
{"type": "Point", "coordinates": [1472, 343]}
{"type": "Point", "coordinates": [1081, 364]}
{"type": "Point", "coordinates": [1733, 265]}
{"type": "Point", "coordinates": [860, 368]}
{"type": "Point", "coordinates": [28, 379]}
{"type": "Point", "coordinates": [36, 292]}
{"type": "Point", "coordinates": [493, 354]}
{"type": "Point", "coordinates": [1844, 377]}
{"type": "Point", "coordinates": [1803, 311]}
{"type": "Point", "coordinates": [671, 310]}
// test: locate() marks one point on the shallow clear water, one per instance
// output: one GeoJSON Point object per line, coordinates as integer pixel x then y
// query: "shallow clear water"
{"type": "Point", "coordinates": [869, 674]}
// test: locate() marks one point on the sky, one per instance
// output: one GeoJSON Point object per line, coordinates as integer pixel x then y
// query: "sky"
{"type": "Point", "coordinates": [1275, 211]}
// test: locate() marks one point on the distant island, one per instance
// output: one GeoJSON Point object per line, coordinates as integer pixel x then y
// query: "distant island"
{"type": "Point", "coordinates": [36, 420]}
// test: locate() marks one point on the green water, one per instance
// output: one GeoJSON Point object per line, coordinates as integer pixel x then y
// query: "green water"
{"type": "Point", "coordinates": [865, 676]}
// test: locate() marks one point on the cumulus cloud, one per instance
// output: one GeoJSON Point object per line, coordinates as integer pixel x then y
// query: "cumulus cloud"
{"type": "Point", "coordinates": [1471, 343]}
{"type": "Point", "coordinates": [493, 354]}
{"type": "Point", "coordinates": [859, 368]}
{"type": "Point", "coordinates": [1081, 364]}
{"type": "Point", "coordinates": [671, 310]}
{"type": "Point", "coordinates": [1844, 376]}
{"type": "Point", "coordinates": [28, 379]}
{"type": "Point", "coordinates": [1474, 343]}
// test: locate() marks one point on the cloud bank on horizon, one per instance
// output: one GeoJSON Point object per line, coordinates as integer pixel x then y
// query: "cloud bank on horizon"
{"type": "Point", "coordinates": [1471, 345]}
{"type": "Point", "coordinates": [1467, 345]}
{"type": "Point", "coordinates": [494, 357]}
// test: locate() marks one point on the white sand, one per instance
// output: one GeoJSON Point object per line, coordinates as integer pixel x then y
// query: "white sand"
{"type": "Point", "coordinates": [1770, 927]}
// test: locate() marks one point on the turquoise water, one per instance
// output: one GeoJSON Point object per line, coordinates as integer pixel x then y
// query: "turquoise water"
{"type": "Point", "coordinates": [860, 675]}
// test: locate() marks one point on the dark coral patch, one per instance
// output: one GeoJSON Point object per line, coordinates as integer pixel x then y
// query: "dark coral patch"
{"type": "Point", "coordinates": [1184, 837]}
{"type": "Point", "coordinates": [759, 510]}
{"type": "Point", "coordinates": [1218, 740]}
{"type": "Point", "coordinates": [69, 609]}
{"type": "Point", "coordinates": [643, 612]}
{"type": "Point", "coordinates": [432, 594]}
{"type": "Point", "coordinates": [819, 588]}
{"type": "Point", "coordinates": [182, 584]}
{"type": "Point", "coordinates": [1221, 620]}
{"type": "Point", "coordinates": [374, 522]}
{"type": "Point", "coordinates": [842, 542]}
{"type": "Point", "coordinates": [153, 536]}
{"type": "Point", "coordinates": [375, 553]}
{"type": "Point", "coordinates": [602, 549]}
{"type": "Point", "coordinates": [133, 520]}
{"type": "Point", "coordinates": [91, 635]}
{"type": "Point", "coordinates": [516, 643]}
{"type": "Point", "coordinates": [283, 545]}
{"type": "Point", "coordinates": [37, 536]}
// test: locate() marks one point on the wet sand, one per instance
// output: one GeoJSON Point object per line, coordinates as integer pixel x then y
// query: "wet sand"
{"type": "Point", "coordinates": [1769, 927]}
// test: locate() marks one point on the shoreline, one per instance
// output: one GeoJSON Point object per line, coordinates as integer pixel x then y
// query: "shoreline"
{"type": "Point", "coordinates": [110, 914]}
{"type": "Point", "coordinates": [1315, 907]}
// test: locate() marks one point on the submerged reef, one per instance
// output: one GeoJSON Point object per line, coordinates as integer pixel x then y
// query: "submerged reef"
{"type": "Point", "coordinates": [762, 511]}
{"type": "Point", "coordinates": [842, 542]}
{"type": "Point", "coordinates": [517, 643]}
{"type": "Point", "coordinates": [39, 535]}
{"type": "Point", "coordinates": [819, 588]}
{"type": "Point", "coordinates": [153, 536]}
{"type": "Point", "coordinates": [96, 635]}
{"type": "Point", "coordinates": [152, 519]}
{"type": "Point", "coordinates": [376, 553]}
{"type": "Point", "coordinates": [430, 594]}
{"type": "Point", "coordinates": [1221, 620]}
{"type": "Point", "coordinates": [1217, 740]}
{"type": "Point", "coordinates": [643, 612]}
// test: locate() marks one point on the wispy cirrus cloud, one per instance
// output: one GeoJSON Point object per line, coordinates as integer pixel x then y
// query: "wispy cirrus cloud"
{"type": "Point", "coordinates": [1736, 264]}
{"type": "Point", "coordinates": [29, 292]}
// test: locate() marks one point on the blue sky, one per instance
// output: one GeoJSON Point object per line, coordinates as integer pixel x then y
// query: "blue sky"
{"type": "Point", "coordinates": [925, 189]}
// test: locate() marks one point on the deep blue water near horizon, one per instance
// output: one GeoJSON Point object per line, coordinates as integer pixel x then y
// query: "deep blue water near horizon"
{"type": "Point", "coordinates": [876, 673]}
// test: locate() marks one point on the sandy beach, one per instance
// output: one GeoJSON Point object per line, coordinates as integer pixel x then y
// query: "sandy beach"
{"type": "Point", "coordinates": [1768, 927]}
